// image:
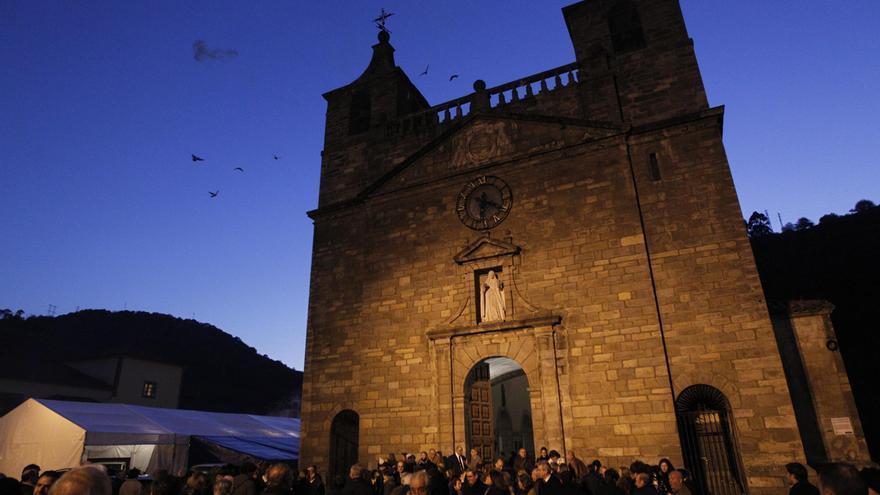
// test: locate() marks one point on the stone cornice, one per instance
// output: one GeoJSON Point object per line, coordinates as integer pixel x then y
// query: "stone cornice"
{"type": "Point", "coordinates": [542, 320]}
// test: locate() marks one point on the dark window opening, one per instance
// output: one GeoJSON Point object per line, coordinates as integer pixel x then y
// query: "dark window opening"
{"type": "Point", "coordinates": [655, 167]}
{"type": "Point", "coordinates": [149, 390]}
{"type": "Point", "coordinates": [344, 442]}
{"type": "Point", "coordinates": [359, 112]}
{"type": "Point", "coordinates": [626, 28]}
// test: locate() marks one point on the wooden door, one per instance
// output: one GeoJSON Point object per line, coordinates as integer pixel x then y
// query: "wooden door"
{"type": "Point", "coordinates": [481, 435]}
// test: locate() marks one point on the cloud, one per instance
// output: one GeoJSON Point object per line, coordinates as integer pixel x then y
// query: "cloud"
{"type": "Point", "coordinates": [202, 52]}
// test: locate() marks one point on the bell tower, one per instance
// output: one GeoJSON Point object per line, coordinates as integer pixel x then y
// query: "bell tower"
{"type": "Point", "coordinates": [357, 114]}
{"type": "Point", "coordinates": [637, 59]}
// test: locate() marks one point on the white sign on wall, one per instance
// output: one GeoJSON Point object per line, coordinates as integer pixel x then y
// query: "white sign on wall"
{"type": "Point", "coordinates": [842, 426]}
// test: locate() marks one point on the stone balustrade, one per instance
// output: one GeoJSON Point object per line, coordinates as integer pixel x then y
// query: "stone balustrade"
{"type": "Point", "coordinates": [484, 98]}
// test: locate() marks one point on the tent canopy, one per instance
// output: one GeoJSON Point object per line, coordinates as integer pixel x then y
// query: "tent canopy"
{"type": "Point", "coordinates": [28, 429]}
{"type": "Point", "coordinates": [108, 424]}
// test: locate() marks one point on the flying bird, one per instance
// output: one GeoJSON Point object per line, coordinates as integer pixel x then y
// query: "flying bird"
{"type": "Point", "coordinates": [276, 157]}
{"type": "Point", "coordinates": [197, 158]}
{"type": "Point", "coordinates": [425, 73]}
{"type": "Point", "coordinates": [239, 169]}
{"type": "Point", "coordinates": [214, 194]}
{"type": "Point", "coordinates": [453, 76]}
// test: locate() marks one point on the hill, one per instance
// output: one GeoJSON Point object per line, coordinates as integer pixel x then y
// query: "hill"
{"type": "Point", "coordinates": [839, 261]}
{"type": "Point", "coordinates": [220, 372]}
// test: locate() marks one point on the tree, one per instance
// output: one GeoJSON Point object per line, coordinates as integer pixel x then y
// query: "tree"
{"type": "Point", "coordinates": [788, 227]}
{"type": "Point", "coordinates": [862, 205]}
{"type": "Point", "coordinates": [803, 223]}
{"type": "Point", "coordinates": [828, 217]}
{"type": "Point", "coordinates": [7, 314]}
{"type": "Point", "coordinates": [758, 225]}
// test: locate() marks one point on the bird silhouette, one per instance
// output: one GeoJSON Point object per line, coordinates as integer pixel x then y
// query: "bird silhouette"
{"type": "Point", "coordinates": [425, 72]}
{"type": "Point", "coordinates": [239, 169]}
{"type": "Point", "coordinates": [453, 76]}
{"type": "Point", "coordinates": [214, 194]}
{"type": "Point", "coordinates": [197, 158]}
{"type": "Point", "coordinates": [276, 157]}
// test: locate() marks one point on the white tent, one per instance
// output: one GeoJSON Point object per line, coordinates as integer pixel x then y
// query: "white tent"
{"type": "Point", "coordinates": [60, 434]}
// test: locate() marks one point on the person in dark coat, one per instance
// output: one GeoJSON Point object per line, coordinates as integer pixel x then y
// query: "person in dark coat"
{"type": "Point", "coordinates": [457, 461]}
{"type": "Point", "coordinates": [498, 485]}
{"type": "Point", "coordinates": [547, 483]}
{"type": "Point", "coordinates": [643, 485]}
{"type": "Point", "coordinates": [337, 485]}
{"type": "Point", "coordinates": [593, 480]}
{"type": "Point", "coordinates": [279, 480]}
{"type": "Point", "coordinates": [542, 455]}
{"type": "Point", "coordinates": [243, 483]}
{"type": "Point", "coordinates": [676, 484]}
{"type": "Point", "coordinates": [29, 476]}
{"type": "Point", "coordinates": [664, 467]}
{"type": "Point", "coordinates": [356, 484]}
{"type": "Point", "coordinates": [610, 484]}
{"type": "Point", "coordinates": [797, 478]}
{"type": "Point", "coordinates": [523, 462]}
{"type": "Point", "coordinates": [473, 485]}
{"type": "Point", "coordinates": [437, 483]}
{"type": "Point", "coordinates": [312, 484]}
{"type": "Point", "coordinates": [45, 482]}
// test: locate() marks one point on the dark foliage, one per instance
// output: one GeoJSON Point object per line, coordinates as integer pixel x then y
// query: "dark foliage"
{"type": "Point", "coordinates": [839, 261]}
{"type": "Point", "coordinates": [220, 372]}
{"type": "Point", "coordinates": [758, 225]}
{"type": "Point", "coordinates": [862, 205]}
{"type": "Point", "coordinates": [803, 223]}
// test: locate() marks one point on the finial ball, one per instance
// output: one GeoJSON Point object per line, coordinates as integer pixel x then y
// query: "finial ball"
{"type": "Point", "coordinates": [479, 85]}
{"type": "Point", "coordinates": [384, 36]}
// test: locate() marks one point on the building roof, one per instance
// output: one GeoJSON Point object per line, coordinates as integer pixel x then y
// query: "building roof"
{"type": "Point", "coordinates": [28, 370]}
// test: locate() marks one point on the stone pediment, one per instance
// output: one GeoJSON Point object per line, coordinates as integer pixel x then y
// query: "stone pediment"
{"type": "Point", "coordinates": [484, 248]}
{"type": "Point", "coordinates": [482, 140]}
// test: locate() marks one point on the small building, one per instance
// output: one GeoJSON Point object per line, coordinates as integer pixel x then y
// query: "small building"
{"type": "Point", "coordinates": [116, 378]}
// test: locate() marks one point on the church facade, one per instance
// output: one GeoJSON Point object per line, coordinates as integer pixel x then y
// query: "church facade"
{"type": "Point", "coordinates": [581, 222]}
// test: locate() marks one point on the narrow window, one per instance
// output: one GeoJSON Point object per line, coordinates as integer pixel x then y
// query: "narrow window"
{"type": "Point", "coordinates": [149, 390]}
{"type": "Point", "coordinates": [625, 26]}
{"type": "Point", "coordinates": [359, 112]}
{"type": "Point", "coordinates": [655, 167]}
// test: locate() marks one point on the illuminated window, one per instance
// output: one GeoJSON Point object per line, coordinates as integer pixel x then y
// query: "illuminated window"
{"type": "Point", "coordinates": [149, 390]}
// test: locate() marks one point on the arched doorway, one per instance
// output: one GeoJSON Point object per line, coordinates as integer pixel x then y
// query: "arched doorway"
{"type": "Point", "coordinates": [344, 432]}
{"type": "Point", "coordinates": [708, 440]}
{"type": "Point", "coordinates": [498, 409]}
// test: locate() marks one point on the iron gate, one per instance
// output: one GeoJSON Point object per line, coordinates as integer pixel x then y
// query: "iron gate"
{"type": "Point", "coordinates": [707, 442]}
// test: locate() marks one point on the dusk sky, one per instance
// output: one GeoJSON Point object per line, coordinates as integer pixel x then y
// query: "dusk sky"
{"type": "Point", "coordinates": [102, 103]}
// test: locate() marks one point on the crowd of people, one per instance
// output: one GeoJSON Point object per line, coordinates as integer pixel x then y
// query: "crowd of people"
{"type": "Point", "coordinates": [428, 473]}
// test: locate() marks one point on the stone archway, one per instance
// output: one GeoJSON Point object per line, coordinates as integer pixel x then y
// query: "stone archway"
{"type": "Point", "coordinates": [532, 344]}
{"type": "Point", "coordinates": [496, 390]}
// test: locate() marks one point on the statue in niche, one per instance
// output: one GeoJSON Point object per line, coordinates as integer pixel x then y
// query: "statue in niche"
{"type": "Point", "coordinates": [492, 299]}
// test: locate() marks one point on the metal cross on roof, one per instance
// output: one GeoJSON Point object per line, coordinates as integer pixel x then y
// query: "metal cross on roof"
{"type": "Point", "coordinates": [380, 21]}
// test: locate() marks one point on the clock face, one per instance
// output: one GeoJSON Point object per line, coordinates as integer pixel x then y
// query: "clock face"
{"type": "Point", "coordinates": [484, 203]}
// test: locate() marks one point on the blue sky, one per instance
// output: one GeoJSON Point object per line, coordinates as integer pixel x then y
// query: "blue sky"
{"type": "Point", "coordinates": [102, 104]}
